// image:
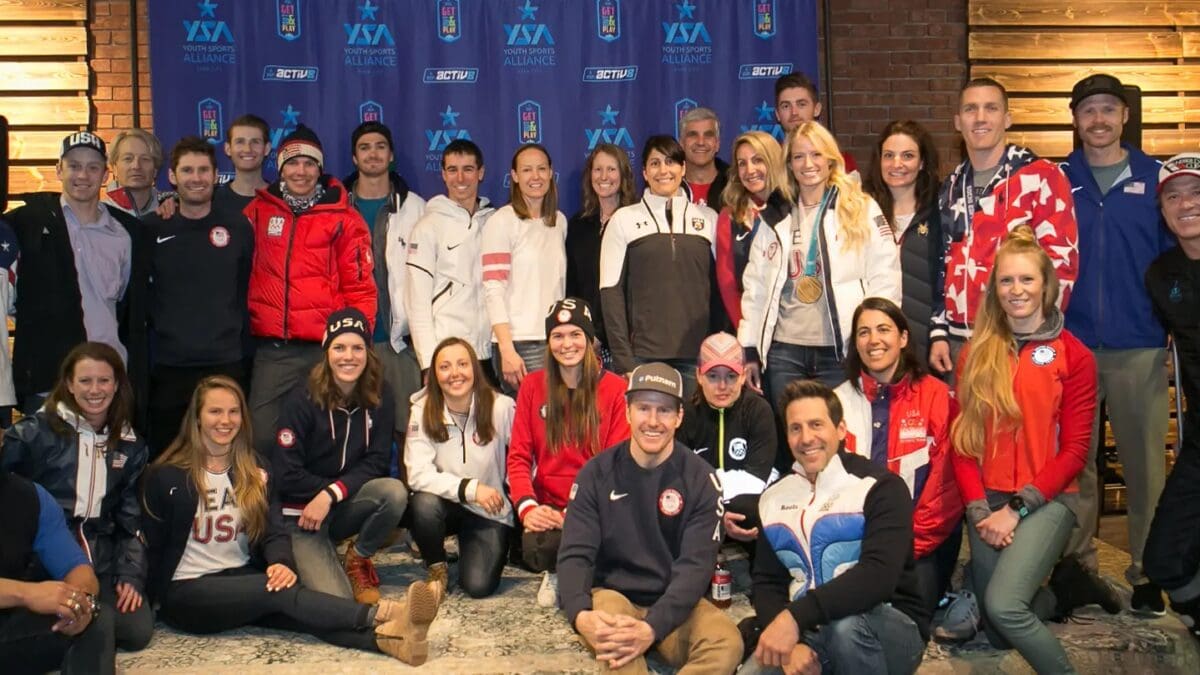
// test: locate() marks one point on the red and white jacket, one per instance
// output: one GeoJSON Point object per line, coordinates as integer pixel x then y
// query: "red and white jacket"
{"type": "Point", "coordinates": [535, 474]}
{"type": "Point", "coordinates": [1026, 190]}
{"type": "Point", "coordinates": [918, 417]}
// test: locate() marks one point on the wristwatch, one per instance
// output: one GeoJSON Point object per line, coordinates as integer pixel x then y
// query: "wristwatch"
{"type": "Point", "coordinates": [1017, 504]}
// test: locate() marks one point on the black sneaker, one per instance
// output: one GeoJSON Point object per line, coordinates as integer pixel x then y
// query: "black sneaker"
{"type": "Point", "coordinates": [1147, 600]}
{"type": "Point", "coordinates": [1074, 586]}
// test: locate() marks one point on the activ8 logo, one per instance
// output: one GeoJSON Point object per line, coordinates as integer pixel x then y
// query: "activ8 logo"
{"type": "Point", "coordinates": [287, 19]}
{"type": "Point", "coordinates": [608, 131]}
{"type": "Point", "coordinates": [763, 71]}
{"type": "Point", "coordinates": [449, 20]}
{"type": "Point", "coordinates": [610, 74]}
{"type": "Point", "coordinates": [686, 42]}
{"type": "Point", "coordinates": [682, 106]}
{"type": "Point", "coordinates": [450, 76]}
{"type": "Point", "coordinates": [764, 120]}
{"type": "Point", "coordinates": [529, 122]}
{"type": "Point", "coordinates": [764, 18]}
{"type": "Point", "coordinates": [207, 31]}
{"type": "Point", "coordinates": [439, 138]}
{"type": "Point", "coordinates": [608, 20]}
{"type": "Point", "coordinates": [290, 73]}
{"type": "Point", "coordinates": [370, 111]}
{"type": "Point", "coordinates": [210, 115]}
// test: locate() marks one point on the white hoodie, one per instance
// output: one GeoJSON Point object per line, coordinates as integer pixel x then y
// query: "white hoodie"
{"type": "Point", "coordinates": [442, 294]}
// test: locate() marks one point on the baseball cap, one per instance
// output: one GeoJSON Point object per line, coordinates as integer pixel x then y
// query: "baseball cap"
{"type": "Point", "coordinates": [1183, 164]}
{"type": "Point", "coordinates": [656, 377]}
{"type": "Point", "coordinates": [1097, 84]}
{"type": "Point", "coordinates": [721, 349]}
{"type": "Point", "coordinates": [83, 139]}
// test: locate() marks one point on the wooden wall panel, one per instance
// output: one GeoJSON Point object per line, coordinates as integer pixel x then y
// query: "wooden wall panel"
{"type": "Point", "coordinates": [43, 10]}
{"type": "Point", "coordinates": [34, 110]}
{"type": "Point", "coordinates": [43, 76]}
{"type": "Point", "coordinates": [1023, 45]}
{"type": "Point", "coordinates": [1055, 110]}
{"type": "Point", "coordinates": [1101, 13]}
{"type": "Point", "coordinates": [22, 41]}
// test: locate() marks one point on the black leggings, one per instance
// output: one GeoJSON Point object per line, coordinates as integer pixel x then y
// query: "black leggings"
{"type": "Point", "coordinates": [236, 597]}
{"type": "Point", "coordinates": [482, 542]}
{"type": "Point", "coordinates": [27, 645]}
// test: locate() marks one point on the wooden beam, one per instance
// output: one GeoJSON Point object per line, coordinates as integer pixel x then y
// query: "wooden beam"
{"type": "Point", "coordinates": [33, 179]}
{"type": "Point", "coordinates": [43, 76]}
{"type": "Point", "coordinates": [1083, 13]}
{"type": "Point", "coordinates": [1057, 110]}
{"type": "Point", "coordinates": [23, 41]}
{"type": "Point", "coordinates": [1017, 45]}
{"type": "Point", "coordinates": [1157, 142]}
{"type": "Point", "coordinates": [43, 10]}
{"type": "Point", "coordinates": [56, 110]}
{"type": "Point", "coordinates": [1060, 78]}
{"type": "Point", "coordinates": [42, 146]}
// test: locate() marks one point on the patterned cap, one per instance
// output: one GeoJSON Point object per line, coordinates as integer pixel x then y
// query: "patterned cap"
{"type": "Point", "coordinates": [1183, 164]}
{"type": "Point", "coordinates": [721, 349]}
{"type": "Point", "coordinates": [302, 142]}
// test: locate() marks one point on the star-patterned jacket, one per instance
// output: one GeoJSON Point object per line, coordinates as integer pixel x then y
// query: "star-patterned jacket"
{"type": "Point", "coordinates": [1026, 190]}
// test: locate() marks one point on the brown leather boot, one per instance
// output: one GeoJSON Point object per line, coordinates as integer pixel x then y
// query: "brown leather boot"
{"type": "Point", "coordinates": [405, 635]}
{"type": "Point", "coordinates": [439, 579]}
{"type": "Point", "coordinates": [363, 579]}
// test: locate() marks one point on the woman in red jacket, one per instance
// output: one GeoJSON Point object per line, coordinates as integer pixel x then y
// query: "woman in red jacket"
{"type": "Point", "coordinates": [1027, 388]}
{"type": "Point", "coordinates": [566, 413]}
{"type": "Point", "coordinates": [899, 416]}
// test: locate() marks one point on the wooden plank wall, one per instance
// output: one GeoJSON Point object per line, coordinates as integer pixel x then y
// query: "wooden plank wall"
{"type": "Point", "coordinates": [44, 84]}
{"type": "Point", "coordinates": [1039, 48]}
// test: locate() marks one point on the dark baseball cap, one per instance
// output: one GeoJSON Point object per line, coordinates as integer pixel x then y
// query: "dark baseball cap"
{"type": "Point", "coordinates": [83, 139]}
{"type": "Point", "coordinates": [657, 377]}
{"type": "Point", "coordinates": [1099, 83]}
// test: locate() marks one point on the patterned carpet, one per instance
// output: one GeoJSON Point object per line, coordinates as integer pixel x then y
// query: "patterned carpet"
{"type": "Point", "coordinates": [509, 633]}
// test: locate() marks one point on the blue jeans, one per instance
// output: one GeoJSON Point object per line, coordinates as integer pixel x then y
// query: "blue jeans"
{"type": "Point", "coordinates": [532, 352]}
{"type": "Point", "coordinates": [1007, 580]}
{"type": "Point", "coordinates": [881, 641]}
{"type": "Point", "coordinates": [793, 362]}
{"type": "Point", "coordinates": [371, 513]}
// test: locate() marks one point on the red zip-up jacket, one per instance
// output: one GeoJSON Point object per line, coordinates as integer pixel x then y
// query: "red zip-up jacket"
{"type": "Point", "coordinates": [538, 476]}
{"type": "Point", "coordinates": [307, 266]}
{"type": "Point", "coordinates": [918, 421]}
{"type": "Point", "coordinates": [1054, 381]}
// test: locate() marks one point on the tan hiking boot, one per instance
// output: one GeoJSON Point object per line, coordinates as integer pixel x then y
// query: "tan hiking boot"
{"type": "Point", "coordinates": [439, 579]}
{"type": "Point", "coordinates": [363, 579]}
{"type": "Point", "coordinates": [405, 635]}
{"type": "Point", "coordinates": [388, 609]}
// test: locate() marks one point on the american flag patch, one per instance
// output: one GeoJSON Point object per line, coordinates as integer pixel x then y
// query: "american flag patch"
{"type": "Point", "coordinates": [882, 225]}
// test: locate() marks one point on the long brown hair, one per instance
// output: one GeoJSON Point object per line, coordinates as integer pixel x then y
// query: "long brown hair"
{"type": "Point", "coordinates": [120, 411]}
{"type": "Point", "coordinates": [549, 202]}
{"type": "Point", "coordinates": [188, 451]}
{"type": "Point", "coordinates": [573, 418]}
{"type": "Point", "coordinates": [852, 211]}
{"type": "Point", "coordinates": [735, 197]}
{"type": "Point", "coordinates": [927, 178]}
{"type": "Point", "coordinates": [367, 392]}
{"type": "Point", "coordinates": [985, 386]}
{"type": "Point", "coordinates": [433, 419]}
{"type": "Point", "coordinates": [625, 194]}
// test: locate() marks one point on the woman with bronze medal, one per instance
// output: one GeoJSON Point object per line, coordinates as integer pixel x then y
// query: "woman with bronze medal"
{"type": "Point", "coordinates": [807, 273]}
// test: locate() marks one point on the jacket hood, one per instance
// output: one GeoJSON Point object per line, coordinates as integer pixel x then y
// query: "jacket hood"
{"type": "Point", "coordinates": [400, 188]}
{"type": "Point", "coordinates": [335, 193]}
{"type": "Point", "coordinates": [1050, 329]}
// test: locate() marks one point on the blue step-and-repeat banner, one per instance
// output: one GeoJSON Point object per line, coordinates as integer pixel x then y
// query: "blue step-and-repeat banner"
{"type": "Point", "coordinates": [565, 73]}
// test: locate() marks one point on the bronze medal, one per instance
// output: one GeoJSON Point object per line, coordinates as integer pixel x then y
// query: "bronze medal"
{"type": "Point", "coordinates": [808, 289]}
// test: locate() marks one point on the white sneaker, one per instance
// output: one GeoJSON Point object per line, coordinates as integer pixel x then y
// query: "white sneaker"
{"type": "Point", "coordinates": [547, 595]}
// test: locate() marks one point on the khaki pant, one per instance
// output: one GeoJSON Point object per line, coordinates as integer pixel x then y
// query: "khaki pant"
{"type": "Point", "coordinates": [706, 643]}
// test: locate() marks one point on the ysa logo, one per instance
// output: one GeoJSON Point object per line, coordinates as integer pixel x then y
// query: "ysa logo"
{"type": "Point", "coordinates": [291, 118]}
{"type": "Point", "coordinates": [212, 127]}
{"type": "Point", "coordinates": [449, 20]}
{"type": "Point", "coordinates": [364, 34]}
{"type": "Point", "coordinates": [609, 131]}
{"type": "Point", "coordinates": [765, 121]}
{"type": "Point", "coordinates": [608, 20]}
{"type": "Point", "coordinates": [287, 19]}
{"type": "Point", "coordinates": [688, 32]}
{"type": "Point", "coordinates": [527, 34]}
{"type": "Point", "coordinates": [450, 131]}
{"type": "Point", "coordinates": [211, 31]}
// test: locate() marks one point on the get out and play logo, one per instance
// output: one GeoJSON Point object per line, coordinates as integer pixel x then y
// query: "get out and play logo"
{"type": "Point", "coordinates": [369, 42]}
{"type": "Point", "coordinates": [608, 20]}
{"type": "Point", "coordinates": [682, 106]}
{"type": "Point", "coordinates": [370, 111]}
{"type": "Point", "coordinates": [686, 42]}
{"type": "Point", "coordinates": [529, 122]}
{"type": "Point", "coordinates": [211, 118]}
{"type": "Point", "coordinates": [449, 20]}
{"type": "Point", "coordinates": [764, 18]}
{"type": "Point", "coordinates": [208, 42]}
{"type": "Point", "coordinates": [287, 19]}
{"type": "Point", "coordinates": [528, 44]}
{"type": "Point", "coordinates": [438, 138]}
{"type": "Point", "coordinates": [764, 120]}
{"type": "Point", "coordinates": [609, 131]}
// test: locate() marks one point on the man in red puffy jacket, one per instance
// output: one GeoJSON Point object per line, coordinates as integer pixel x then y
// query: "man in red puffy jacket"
{"type": "Point", "coordinates": [312, 257]}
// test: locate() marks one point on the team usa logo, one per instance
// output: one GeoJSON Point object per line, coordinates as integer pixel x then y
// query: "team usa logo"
{"type": "Point", "coordinates": [529, 122]}
{"type": "Point", "coordinates": [211, 118]}
{"type": "Point", "coordinates": [287, 19]}
{"type": "Point", "coordinates": [609, 131]}
{"type": "Point", "coordinates": [670, 502]}
{"type": "Point", "coordinates": [682, 106]}
{"type": "Point", "coordinates": [1043, 355]}
{"type": "Point", "coordinates": [764, 18]}
{"type": "Point", "coordinates": [439, 138]}
{"type": "Point", "coordinates": [449, 20]}
{"type": "Point", "coordinates": [219, 237]}
{"type": "Point", "coordinates": [764, 120]}
{"type": "Point", "coordinates": [286, 438]}
{"type": "Point", "coordinates": [686, 42]}
{"type": "Point", "coordinates": [529, 44]}
{"type": "Point", "coordinates": [208, 42]}
{"type": "Point", "coordinates": [370, 111]}
{"type": "Point", "coordinates": [369, 43]}
{"type": "Point", "coordinates": [608, 20]}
